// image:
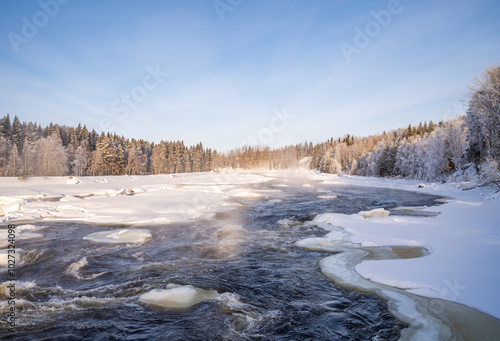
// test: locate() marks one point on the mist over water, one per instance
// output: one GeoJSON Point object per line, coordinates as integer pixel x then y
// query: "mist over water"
{"type": "Point", "coordinates": [268, 288]}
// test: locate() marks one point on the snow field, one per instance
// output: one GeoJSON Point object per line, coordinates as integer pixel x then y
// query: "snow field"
{"type": "Point", "coordinates": [124, 199]}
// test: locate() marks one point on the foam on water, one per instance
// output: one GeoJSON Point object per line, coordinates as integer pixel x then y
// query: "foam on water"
{"type": "Point", "coordinates": [74, 270]}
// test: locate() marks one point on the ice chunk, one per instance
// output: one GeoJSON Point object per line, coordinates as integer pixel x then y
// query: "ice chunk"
{"type": "Point", "coordinates": [8, 204]}
{"type": "Point", "coordinates": [29, 235]}
{"type": "Point", "coordinates": [19, 235]}
{"type": "Point", "coordinates": [73, 180]}
{"type": "Point", "coordinates": [125, 236]}
{"type": "Point", "coordinates": [177, 296]}
{"type": "Point", "coordinates": [4, 257]}
{"type": "Point", "coordinates": [327, 197]}
{"type": "Point", "coordinates": [378, 212]}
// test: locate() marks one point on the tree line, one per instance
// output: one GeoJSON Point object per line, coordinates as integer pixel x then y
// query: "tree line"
{"type": "Point", "coordinates": [425, 151]}
{"type": "Point", "coordinates": [27, 149]}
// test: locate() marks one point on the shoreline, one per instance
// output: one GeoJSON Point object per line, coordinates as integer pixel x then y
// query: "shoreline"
{"type": "Point", "coordinates": [432, 312]}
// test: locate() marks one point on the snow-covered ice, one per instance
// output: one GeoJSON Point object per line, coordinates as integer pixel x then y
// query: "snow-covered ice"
{"type": "Point", "coordinates": [177, 296]}
{"type": "Point", "coordinates": [123, 236]}
{"type": "Point", "coordinates": [462, 236]}
{"type": "Point", "coordinates": [124, 199]}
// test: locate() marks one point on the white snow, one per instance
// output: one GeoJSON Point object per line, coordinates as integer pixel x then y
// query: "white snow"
{"type": "Point", "coordinates": [463, 241]}
{"type": "Point", "coordinates": [177, 296]}
{"type": "Point", "coordinates": [124, 236]}
{"type": "Point", "coordinates": [124, 199]}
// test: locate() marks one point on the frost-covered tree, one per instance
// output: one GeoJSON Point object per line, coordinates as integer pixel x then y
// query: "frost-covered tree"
{"type": "Point", "coordinates": [435, 160]}
{"type": "Point", "coordinates": [136, 161]}
{"type": "Point", "coordinates": [81, 159]}
{"type": "Point", "coordinates": [108, 157]}
{"type": "Point", "coordinates": [483, 117]}
{"type": "Point", "coordinates": [50, 157]}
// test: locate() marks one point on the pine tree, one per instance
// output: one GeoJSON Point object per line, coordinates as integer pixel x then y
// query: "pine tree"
{"type": "Point", "coordinates": [5, 127]}
{"type": "Point", "coordinates": [17, 136]}
{"type": "Point", "coordinates": [5, 150]}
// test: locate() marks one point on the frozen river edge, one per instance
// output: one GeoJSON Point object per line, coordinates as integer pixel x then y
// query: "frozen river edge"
{"type": "Point", "coordinates": [463, 240]}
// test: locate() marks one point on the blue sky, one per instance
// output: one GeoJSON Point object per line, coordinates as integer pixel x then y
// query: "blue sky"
{"type": "Point", "coordinates": [193, 71]}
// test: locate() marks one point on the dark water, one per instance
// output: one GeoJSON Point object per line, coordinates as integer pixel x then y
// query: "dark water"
{"type": "Point", "coordinates": [271, 289]}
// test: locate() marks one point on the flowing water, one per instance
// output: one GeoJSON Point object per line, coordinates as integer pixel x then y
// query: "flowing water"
{"type": "Point", "coordinates": [269, 289]}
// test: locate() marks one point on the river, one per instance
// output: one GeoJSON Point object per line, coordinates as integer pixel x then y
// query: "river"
{"type": "Point", "coordinates": [268, 288]}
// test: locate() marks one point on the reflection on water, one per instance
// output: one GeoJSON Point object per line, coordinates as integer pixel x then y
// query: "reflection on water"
{"type": "Point", "coordinates": [267, 287]}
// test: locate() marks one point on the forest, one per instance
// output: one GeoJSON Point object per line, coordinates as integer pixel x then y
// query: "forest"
{"type": "Point", "coordinates": [468, 144]}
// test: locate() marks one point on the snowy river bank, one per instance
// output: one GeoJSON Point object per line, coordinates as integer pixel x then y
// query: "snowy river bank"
{"type": "Point", "coordinates": [246, 239]}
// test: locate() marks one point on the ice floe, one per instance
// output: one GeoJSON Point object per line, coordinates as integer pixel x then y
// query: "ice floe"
{"type": "Point", "coordinates": [327, 197]}
{"type": "Point", "coordinates": [177, 296]}
{"type": "Point", "coordinates": [124, 236]}
{"type": "Point", "coordinates": [378, 212]}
